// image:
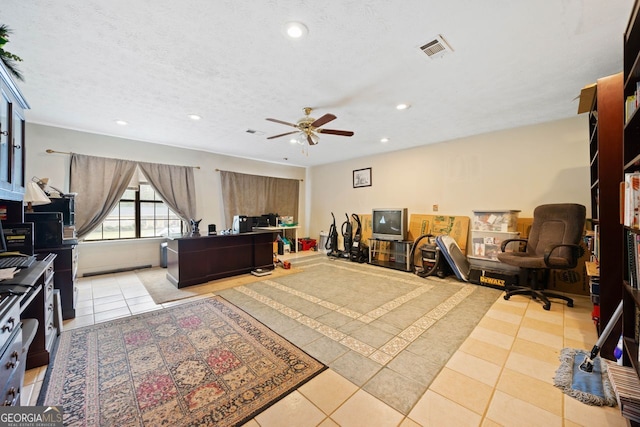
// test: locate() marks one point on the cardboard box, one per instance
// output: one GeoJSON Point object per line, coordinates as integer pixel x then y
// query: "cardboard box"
{"type": "Point", "coordinates": [587, 98]}
{"type": "Point", "coordinates": [574, 281]}
{"type": "Point", "coordinates": [523, 226]}
{"type": "Point", "coordinates": [365, 221]}
{"type": "Point", "coordinates": [455, 226]}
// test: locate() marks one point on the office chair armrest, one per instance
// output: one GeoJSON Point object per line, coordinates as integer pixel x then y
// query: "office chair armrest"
{"type": "Point", "coordinates": [575, 254]}
{"type": "Point", "coordinates": [522, 248]}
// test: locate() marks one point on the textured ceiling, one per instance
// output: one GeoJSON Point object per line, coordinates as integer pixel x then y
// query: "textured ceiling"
{"type": "Point", "coordinates": [152, 62]}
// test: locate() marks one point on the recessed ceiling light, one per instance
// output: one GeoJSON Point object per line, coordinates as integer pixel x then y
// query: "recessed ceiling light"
{"type": "Point", "coordinates": [194, 117]}
{"type": "Point", "coordinates": [121, 122]}
{"type": "Point", "coordinates": [384, 140]}
{"type": "Point", "coordinates": [402, 106]}
{"type": "Point", "coordinates": [296, 30]}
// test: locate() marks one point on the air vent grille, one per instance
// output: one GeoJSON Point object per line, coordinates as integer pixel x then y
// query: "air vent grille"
{"type": "Point", "coordinates": [436, 48]}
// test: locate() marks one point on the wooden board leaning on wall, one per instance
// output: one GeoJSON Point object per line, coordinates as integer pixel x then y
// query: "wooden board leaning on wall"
{"type": "Point", "coordinates": [419, 224]}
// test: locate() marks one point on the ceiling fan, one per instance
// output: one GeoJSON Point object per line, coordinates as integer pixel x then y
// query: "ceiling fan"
{"type": "Point", "coordinates": [309, 127]}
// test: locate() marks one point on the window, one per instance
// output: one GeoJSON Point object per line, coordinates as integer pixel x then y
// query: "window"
{"type": "Point", "coordinates": [140, 213]}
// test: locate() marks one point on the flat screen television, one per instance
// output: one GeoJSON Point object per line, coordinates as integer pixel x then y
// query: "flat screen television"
{"type": "Point", "coordinates": [389, 224]}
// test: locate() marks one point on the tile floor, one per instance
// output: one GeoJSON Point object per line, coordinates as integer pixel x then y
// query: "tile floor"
{"type": "Point", "coordinates": [502, 375]}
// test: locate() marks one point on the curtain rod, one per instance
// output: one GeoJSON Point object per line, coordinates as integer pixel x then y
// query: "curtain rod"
{"type": "Point", "coordinates": [220, 170]}
{"type": "Point", "coordinates": [50, 151]}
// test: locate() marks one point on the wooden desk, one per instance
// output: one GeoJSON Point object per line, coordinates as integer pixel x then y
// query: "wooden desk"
{"type": "Point", "coordinates": [37, 304]}
{"type": "Point", "coordinates": [194, 260]}
{"type": "Point", "coordinates": [66, 269]}
{"type": "Point", "coordinates": [26, 319]}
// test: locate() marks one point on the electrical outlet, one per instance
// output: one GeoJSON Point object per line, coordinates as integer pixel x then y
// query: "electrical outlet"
{"type": "Point", "coordinates": [435, 208]}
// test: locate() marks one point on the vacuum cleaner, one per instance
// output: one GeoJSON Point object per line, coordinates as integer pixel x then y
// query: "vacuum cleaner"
{"type": "Point", "coordinates": [347, 237]}
{"type": "Point", "coordinates": [332, 241]}
{"type": "Point", "coordinates": [359, 250]}
{"type": "Point", "coordinates": [433, 261]}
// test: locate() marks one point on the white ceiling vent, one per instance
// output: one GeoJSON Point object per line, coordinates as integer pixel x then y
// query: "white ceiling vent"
{"type": "Point", "coordinates": [436, 48]}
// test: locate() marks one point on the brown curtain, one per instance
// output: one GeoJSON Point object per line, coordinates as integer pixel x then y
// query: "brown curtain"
{"type": "Point", "coordinates": [175, 185]}
{"type": "Point", "coordinates": [255, 195]}
{"type": "Point", "coordinates": [99, 183]}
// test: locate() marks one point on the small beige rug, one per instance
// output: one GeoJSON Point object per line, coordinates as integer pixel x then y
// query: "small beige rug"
{"type": "Point", "coordinates": [161, 290]}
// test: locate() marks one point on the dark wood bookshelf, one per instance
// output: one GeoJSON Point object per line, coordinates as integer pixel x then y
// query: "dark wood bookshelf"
{"type": "Point", "coordinates": [630, 295]}
{"type": "Point", "coordinates": [606, 159]}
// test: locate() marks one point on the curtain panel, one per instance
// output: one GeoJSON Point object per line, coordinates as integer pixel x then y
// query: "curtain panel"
{"type": "Point", "coordinates": [176, 187]}
{"type": "Point", "coordinates": [100, 182]}
{"type": "Point", "coordinates": [255, 195]}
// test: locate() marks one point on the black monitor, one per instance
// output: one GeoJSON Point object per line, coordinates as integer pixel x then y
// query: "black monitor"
{"type": "Point", "coordinates": [18, 237]}
{"type": "Point", "coordinates": [47, 229]}
{"type": "Point", "coordinates": [65, 205]}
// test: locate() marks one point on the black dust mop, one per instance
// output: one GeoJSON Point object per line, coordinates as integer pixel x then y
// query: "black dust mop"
{"type": "Point", "coordinates": [583, 375]}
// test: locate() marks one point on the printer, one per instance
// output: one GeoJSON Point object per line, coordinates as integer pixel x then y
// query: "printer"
{"type": "Point", "coordinates": [241, 224]}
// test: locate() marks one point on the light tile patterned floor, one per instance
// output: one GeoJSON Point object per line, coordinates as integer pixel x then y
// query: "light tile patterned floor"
{"type": "Point", "coordinates": [502, 375]}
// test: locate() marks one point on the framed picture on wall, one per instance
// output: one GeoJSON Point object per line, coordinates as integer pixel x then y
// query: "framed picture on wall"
{"type": "Point", "coordinates": [362, 178]}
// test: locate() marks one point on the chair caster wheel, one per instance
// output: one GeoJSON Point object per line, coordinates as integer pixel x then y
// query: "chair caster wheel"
{"type": "Point", "coordinates": [507, 297]}
{"type": "Point", "coordinates": [547, 307]}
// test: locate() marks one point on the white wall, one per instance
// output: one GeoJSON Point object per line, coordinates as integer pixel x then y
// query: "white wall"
{"type": "Point", "coordinates": [103, 256]}
{"type": "Point", "coordinates": [512, 169]}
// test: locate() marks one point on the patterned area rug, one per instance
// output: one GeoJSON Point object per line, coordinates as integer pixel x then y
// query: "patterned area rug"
{"type": "Point", "coordinates": [200, 363]}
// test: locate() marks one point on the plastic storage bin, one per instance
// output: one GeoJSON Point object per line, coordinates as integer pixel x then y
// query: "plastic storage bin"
{"type": "Point", "coordinates": [502, 220]}
{"type": "Point", "coordinates": [486, 244]}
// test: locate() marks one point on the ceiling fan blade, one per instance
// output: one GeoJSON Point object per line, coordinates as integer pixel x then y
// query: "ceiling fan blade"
{"type": "Point", "coordinates": [282, 123]}
{"type": "Point", "coordinates": [323, 120]}
{"type": "Point", "coordinates": [335, 132]}
{"type": "Point", "coordinates": [282, 134]}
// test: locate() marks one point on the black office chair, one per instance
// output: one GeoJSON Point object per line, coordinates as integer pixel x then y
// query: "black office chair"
{"type": "Point", "coordinates": [553, 243]}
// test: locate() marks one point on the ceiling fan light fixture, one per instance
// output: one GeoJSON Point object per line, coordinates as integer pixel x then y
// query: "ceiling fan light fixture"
{"type": "Point", "coordinates": [308, 128]}
{"type": "Point", "coordinates": [296, 30]}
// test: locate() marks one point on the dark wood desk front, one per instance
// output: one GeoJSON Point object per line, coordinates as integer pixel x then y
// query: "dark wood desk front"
{"type": "Point", "coordinates": [37, 303]}
{"type": "Point", "coordinates": [194, 260]}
